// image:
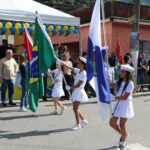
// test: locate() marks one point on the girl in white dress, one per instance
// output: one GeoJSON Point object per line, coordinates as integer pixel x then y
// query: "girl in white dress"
{"type": "Point", "coordinates": [79, 95]}
{"type": "Point", "coordinates": [57, 91]}
{"type": "Point", "coordinates": [123, 109]}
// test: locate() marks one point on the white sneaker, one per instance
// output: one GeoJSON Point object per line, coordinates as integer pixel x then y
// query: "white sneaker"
{"type": "Point", "coordinates": [76, 127]}
{"type": "Point", "coordinates": [119, 142]}
{"type": "Point", "coordinates": [23, 109]}
{"type": "Point", "coordinates": [62, 110]}
{"type": "Point", "coordinates": [84, 123]}
{"type": "Point", "coordinates": [123, 146]}
{"type": "Point", "coordinates": [56, 112]}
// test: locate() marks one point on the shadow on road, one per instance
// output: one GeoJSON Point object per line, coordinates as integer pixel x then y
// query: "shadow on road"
{"type": "Point", "coordinates": [70, 104]}
{"type": "Point", "coordinates": [4, 131]}
{"type": "Point", "coordinates": [22, 117]}
{"type": "Point", "coordinates": [109, 148]}
{"type": "Point", "coordinates": [32, 133]}
{"type": "Point", "coordinates": [8, 111]}
{"type": "Point", "coordinates": [148, 100]}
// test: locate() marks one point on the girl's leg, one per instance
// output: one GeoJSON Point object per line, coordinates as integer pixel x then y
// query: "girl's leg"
{"type": "Point", "coordinates": [22, 103]}
{"type": "Point", "coordinates": [114, 125]}
{"type": "Point", "coordinates": [76, 111]}
{"type": "Point", "coordinates": [60, 104]}
{"type": "Point", "coordinates": [81, 116]}
{"type": "Point", "coordinates": [55, 103]}
{"type": "Point", "coordinates": [124, 134]}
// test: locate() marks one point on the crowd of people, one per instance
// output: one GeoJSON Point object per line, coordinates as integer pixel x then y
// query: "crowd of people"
{"type": "Point", "coordinates": [9, 69]}
{"type": "Point", "coordinates": [143, 70]}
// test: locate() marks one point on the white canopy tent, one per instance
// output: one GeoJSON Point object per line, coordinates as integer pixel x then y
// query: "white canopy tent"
{"type": "Point", "coordinates": [24, 10]}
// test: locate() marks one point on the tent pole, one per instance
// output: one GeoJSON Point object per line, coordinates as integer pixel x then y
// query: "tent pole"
{"type": "Point", "coordinates": [80, 42]}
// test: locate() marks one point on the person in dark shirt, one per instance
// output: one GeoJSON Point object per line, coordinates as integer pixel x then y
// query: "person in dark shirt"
{"type": "Point", "coordinates": [113, 60]}
{"type": "Point", "coordinates": [142, 65]}
{"type": "Point", "coordinates": [4, 48]}
{"type": "Point", "coordinates": [24, 96]}
{"type": "Point", "coordinates": [128, 59]}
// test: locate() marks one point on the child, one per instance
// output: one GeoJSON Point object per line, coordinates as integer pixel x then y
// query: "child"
{"type": "Point", "coordinates": [58, 91]}
{"type": "Point", "coordinates": [123, 108]}
{"type": "Point", "coordinates": [79, 95]}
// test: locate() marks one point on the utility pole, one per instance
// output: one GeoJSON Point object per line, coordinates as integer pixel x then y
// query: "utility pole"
{"type": "Point", "coordinates": [134, 36]}
{"type": "Point", "coordinates": [136, 13]}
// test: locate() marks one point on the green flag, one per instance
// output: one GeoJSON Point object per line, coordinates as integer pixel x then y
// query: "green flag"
{"type": "Point", "coordinates": [44, 56]}
{"type": "Point", "coordinates": [46, 52]}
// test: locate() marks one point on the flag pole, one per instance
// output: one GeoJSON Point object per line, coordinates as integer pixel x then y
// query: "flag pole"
{"type": "Point", "coordinates": [59, 65]}
{"type": "Point", "coordinates": [64, 80]}
{"type": "Point", "coordinates": [105, 42]}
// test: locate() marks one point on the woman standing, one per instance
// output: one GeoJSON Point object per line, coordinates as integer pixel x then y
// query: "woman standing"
{"type": "Point", "coordinates": [79, 95]}
{"type": "Point", "coordinates": [67, 74]}
{"type": "Point", "coordinates": [24, 96]}
{"type": "Point", "coordinates": [123, 109]}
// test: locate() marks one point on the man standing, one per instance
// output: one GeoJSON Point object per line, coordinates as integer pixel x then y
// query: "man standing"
{"type": "Point", "coordinates": [8, 71]}
{"type": "Point", "coordinates": [4, 48]}
{"type": "Point", "coordinates": [142, 64]}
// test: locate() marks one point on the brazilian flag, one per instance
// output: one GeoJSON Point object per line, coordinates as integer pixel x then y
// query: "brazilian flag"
{"type": "Point", "coordinates": [43, 56]}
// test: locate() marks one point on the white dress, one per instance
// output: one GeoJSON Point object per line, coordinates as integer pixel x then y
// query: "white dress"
{"type": "Point", "coordinates": [79, 93]}
{"type": "Point", "coordinates": [124, 108]}
{"type": "Point", "coordinates": [58, 91]}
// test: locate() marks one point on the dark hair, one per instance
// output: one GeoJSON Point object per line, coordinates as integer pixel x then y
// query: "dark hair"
{"type": "Point", "coordinates": [84, 54]}
{"type": "Point", "coordinates": [4, 40]}
{"type": "Point", "coordinates": [128, 79]}
{"type": "Point", "coordinates": [126, 59]}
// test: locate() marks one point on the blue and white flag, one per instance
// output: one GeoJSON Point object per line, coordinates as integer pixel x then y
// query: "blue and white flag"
{"type": "Point", "coordinates": [96, 68]}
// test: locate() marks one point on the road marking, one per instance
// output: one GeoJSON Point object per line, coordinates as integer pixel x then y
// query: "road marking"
{"type": "Point", "coordinates": [137, 146]}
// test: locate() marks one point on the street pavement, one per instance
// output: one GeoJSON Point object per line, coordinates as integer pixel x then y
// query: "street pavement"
{"type": "Point", "coordinates": [44, 131]}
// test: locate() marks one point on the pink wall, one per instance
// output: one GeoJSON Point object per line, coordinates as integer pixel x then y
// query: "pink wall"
{"type": "Point", "coordinates": [63, 39]}
{"type": "Point", "coordinates": [117, 30]}
{"type": "Point", "coordinates": [85, 33]}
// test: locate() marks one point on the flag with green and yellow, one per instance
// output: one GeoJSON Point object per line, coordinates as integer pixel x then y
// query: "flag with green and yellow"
{"type": "Point", "coordinates": [43, 56]}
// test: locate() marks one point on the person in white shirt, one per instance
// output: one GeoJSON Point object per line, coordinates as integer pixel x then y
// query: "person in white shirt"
{"type": "Point", "coordinates": [57, 91]}
{"type": "Point", "coordinates": [67, 74]}
{"type": "Point", "coordinates": [123, 109]}
{"type": "Point", "coordinates": [79, 95]}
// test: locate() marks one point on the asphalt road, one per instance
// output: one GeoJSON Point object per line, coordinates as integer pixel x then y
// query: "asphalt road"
{"type": "Point", "coordinates": [43, 131]}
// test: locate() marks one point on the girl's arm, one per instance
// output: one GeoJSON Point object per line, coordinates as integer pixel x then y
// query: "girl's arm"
{"type": "Point", "coordinates": [124, 97]}
{"type": "Point", "coordinates": [77, 85]}
{"type": "Point", "coordinates": [71, 68]}
{"type": "Point", "coordinates": [49, 71]}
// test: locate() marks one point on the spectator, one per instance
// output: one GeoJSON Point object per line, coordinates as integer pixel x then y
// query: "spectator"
{"type": "Point", "coordinates": [142, 64]}
{"type": "Point", "coordinates": [56, 48]}
{"type": "Point", "coordinates": [84, 55]}
{"type": "Point", "coordinates": [8, 71]}
{"type": "Point", "coordinates": [67, 74]}
{"type": "Point", "coordinates": [4, 48]}
{"type": "Point", "coordinates": [62, 50]}
{"type": "Point", "coordinates": [113, 60]}
{"type": "Point", "coordinates": [24, 96]}
{"type": "Point", "coordinates": [128, 59]}
{"type": "Point", "coordinates": [44, 98]}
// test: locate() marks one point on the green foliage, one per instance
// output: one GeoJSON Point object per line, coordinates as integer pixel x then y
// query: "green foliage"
{"type": "Point", "coordinates": [86, 3]}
